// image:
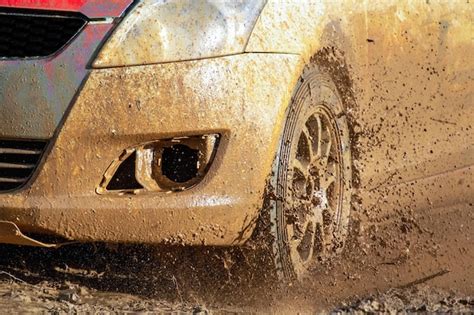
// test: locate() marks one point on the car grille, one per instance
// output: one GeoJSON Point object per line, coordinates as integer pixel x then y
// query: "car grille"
{"type": "Point", "coordinates": [26, 35]}
{"type": "Point", "coordinates": [18, 160]}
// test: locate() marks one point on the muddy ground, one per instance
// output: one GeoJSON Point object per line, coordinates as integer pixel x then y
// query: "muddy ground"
{"type": "Point", "coordinates": [67, 297]}
{"type": "Point", "coordinates": [421, 263]}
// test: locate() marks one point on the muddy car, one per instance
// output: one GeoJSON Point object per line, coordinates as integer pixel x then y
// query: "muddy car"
{"type": "Point", "coordinates": [200, 122]}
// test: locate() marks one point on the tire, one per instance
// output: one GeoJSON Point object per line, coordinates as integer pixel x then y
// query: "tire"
{"type": "Point", "coordinates": [311, 182]}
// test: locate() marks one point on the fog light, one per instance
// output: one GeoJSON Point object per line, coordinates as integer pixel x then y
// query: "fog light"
{"type": "Point", "coordinates": [164, 165]}
{"type": "Point", "coordinates": [180, 163]}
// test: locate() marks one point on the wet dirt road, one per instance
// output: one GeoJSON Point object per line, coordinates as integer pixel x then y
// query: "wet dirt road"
{"type": "Point", "coordinates": [423, 262]}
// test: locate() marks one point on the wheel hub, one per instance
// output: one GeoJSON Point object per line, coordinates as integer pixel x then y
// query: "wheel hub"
{"type": "Point", "coordinates": [320, 198]}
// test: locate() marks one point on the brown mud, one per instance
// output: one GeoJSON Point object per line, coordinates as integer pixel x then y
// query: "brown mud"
{"type": "Point", "coordinates": [422, 262]}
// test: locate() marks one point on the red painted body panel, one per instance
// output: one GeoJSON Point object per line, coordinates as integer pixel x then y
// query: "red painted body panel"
{"type": "Point", "coordinates": [90, 8]}
{"type": "Point", "coordinates": [36, 93]}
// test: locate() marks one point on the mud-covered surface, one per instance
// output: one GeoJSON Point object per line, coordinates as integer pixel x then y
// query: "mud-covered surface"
{"type": "Point", "coordinates": [67, 297]}
{"type": "Point", "coordinates": [418, 299]}
{"type": "Point", "coordinates": [421, 263]}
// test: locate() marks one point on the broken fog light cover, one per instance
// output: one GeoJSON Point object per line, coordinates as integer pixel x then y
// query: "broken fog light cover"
{"type": "Point", "coordinates": [167, 165]}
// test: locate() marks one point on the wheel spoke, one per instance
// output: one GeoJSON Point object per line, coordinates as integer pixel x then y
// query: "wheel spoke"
{"type": "Point", "coordinates": [299, 186]}
{"type": "Point", "coordinates": [329, 175]}
{"type": "Point", "coordinates": [304, 225]}
{"type": "Point", "coordinates": [297, 165]}
{"type": "Point", "coordinates": [328, 227]}
{"type": "Point", "coordinates": [325, 143]}
{"type": "Point", "coordinates": [311, 143]}
{"type": "Point", "coordinates": [319, 130]}
{"type": "Point", "coordinates": [318, 214]}
{"type": "Point", "coordinates": [302, 231]}
{"type": "Point", "coordinates": [303, 150]}
{"type": "Point", "coordinates": [327, 216]}
{"type": "Point", "coordinates": [306, 243]}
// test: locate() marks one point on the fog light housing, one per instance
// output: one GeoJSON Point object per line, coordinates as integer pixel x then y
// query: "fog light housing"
{"type": "Point", "coordinates": [165, 165]}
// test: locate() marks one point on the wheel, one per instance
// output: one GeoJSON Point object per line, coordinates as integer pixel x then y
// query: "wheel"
{"type": "Point", "coordinates": [311, 182]}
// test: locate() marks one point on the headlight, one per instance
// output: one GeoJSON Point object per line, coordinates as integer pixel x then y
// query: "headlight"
{"type": "Point", "coordinates": [172, 30]}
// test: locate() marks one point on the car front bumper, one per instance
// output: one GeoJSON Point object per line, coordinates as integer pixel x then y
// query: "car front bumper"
{"type": "Point", "coordinates": [243, 97]}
